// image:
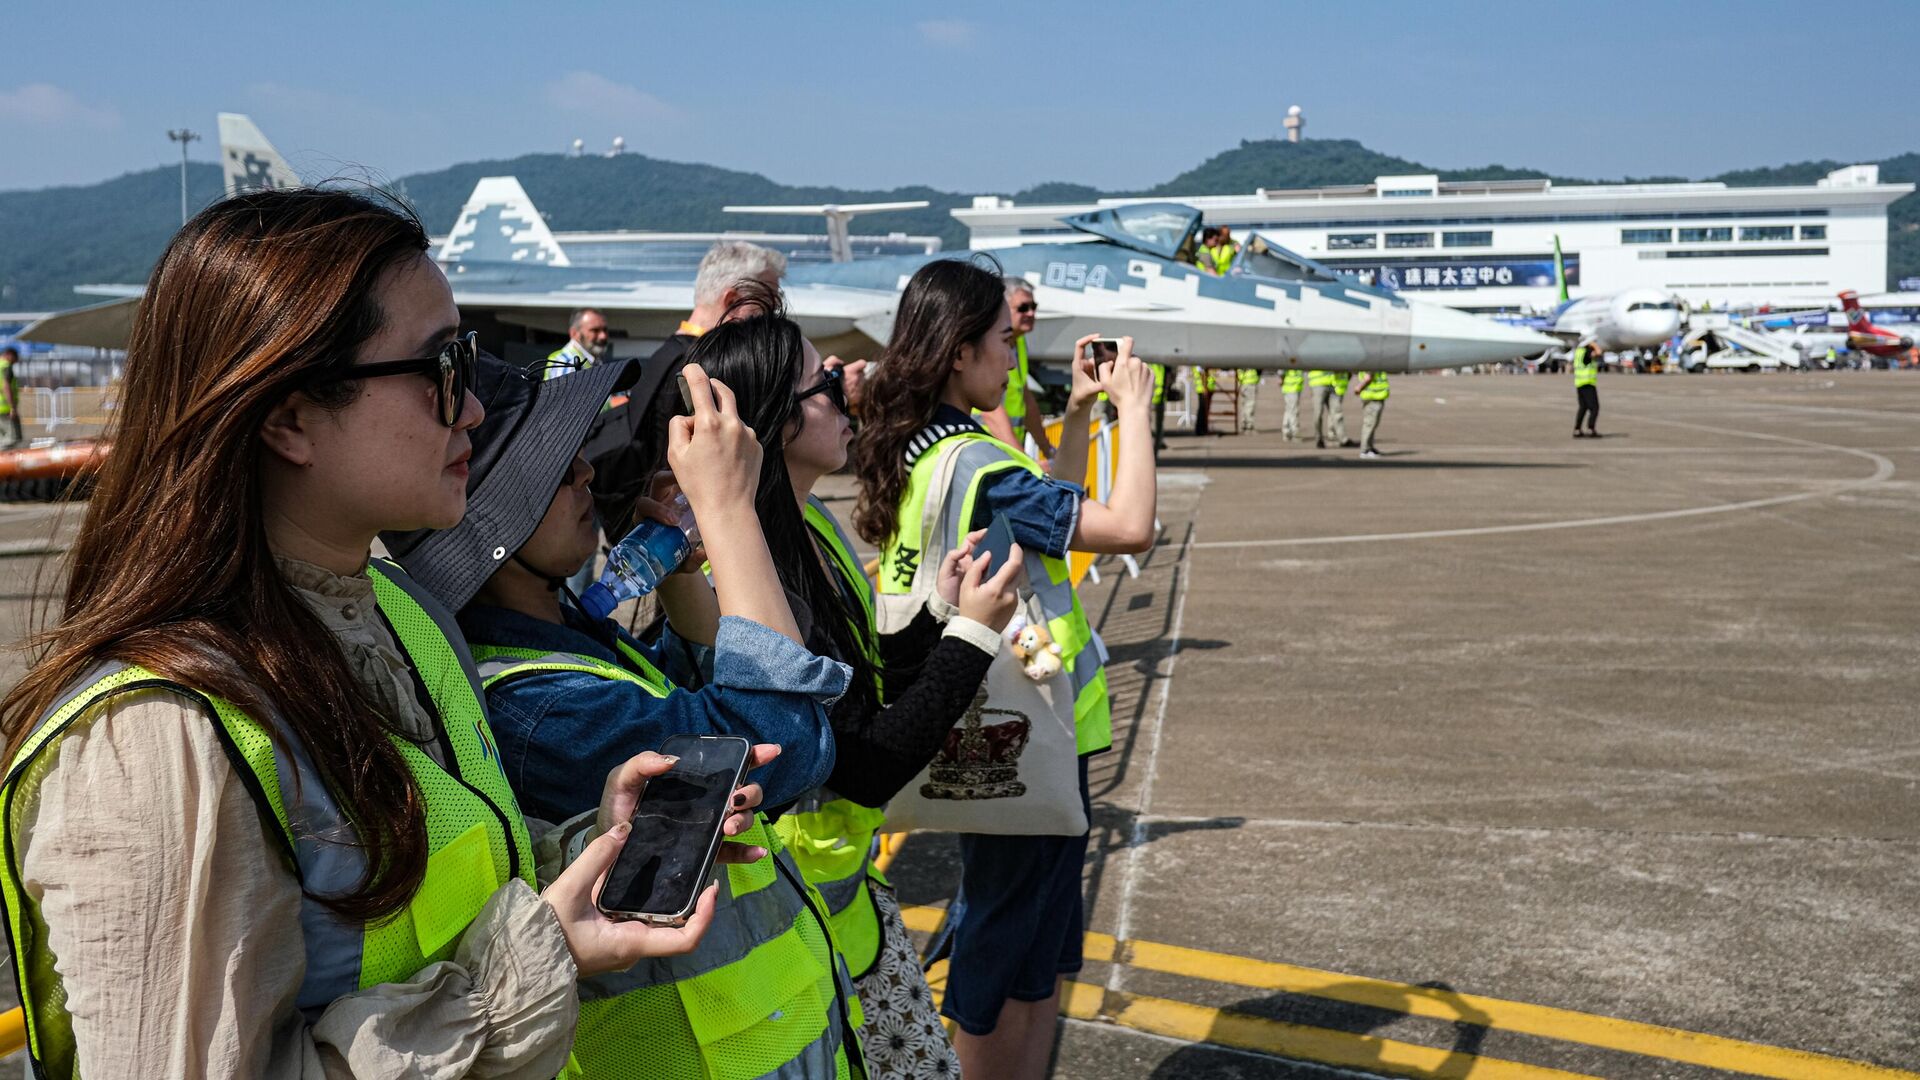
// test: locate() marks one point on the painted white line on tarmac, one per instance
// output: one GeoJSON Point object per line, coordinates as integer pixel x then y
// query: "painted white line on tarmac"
{"type": "Point", "coordinates": [1883, 471]}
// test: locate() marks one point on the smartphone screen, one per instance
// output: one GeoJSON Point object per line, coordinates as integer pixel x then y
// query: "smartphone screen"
{"type": "Point", "coordinates": [686, 395]}
{"type": "Point", "coordinates": [999, 541]}
{"type": "Point", "coordinates": [676, 829]}
{"type": "Point", "coordinates": [1103, 350]}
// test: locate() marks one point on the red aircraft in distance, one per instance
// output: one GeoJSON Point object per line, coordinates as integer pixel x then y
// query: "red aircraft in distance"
{"type": "Point", "coordinates": [1866, 337]}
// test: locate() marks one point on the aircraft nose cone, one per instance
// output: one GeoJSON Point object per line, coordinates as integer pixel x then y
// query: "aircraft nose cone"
{"type": "Point", "coordinates": [1440, 337]}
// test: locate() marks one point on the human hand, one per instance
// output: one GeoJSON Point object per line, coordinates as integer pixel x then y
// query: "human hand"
{"type": "Point", "coordinates": [715, 457]}
{"type": "Point", "coordinates": [600, 944]}
{"type": "Point", "coordinates": [992, 600]}
{"type": "Point", "coordinates": [624, 785]}
{"type": "Point", "coordinates": [1086, 381]}
{"type": "Point", "coordinates": [1127, 379]}
{"type": "Point", "coordinates": [947, 584]}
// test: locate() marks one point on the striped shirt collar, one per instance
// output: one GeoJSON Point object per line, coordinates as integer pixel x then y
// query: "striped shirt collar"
{"type": "Point", "coordinates": [947, 421]}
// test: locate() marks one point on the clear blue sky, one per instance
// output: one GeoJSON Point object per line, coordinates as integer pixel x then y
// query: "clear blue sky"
{"type": "Point", "coordinates": [968, 97]}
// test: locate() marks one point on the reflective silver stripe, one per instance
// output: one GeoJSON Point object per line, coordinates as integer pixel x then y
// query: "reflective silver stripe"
{"type": "Point", "coordinates": [977, 458]}
{"type": "Point", "coordinates": [817, 1060]}
{"type": "Point", "coordinates": [740, 925]}
{"type": "Point", "coordinates": [841, 894]}
{"type": "Point", "coordinates": [500, 665]}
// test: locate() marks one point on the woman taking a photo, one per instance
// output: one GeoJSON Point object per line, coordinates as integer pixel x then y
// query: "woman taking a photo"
{"type": "Point", "coordinates": [930, 671]}
{"type": "Point", "coordinates": [1020, 922]}
{"type": "Point", "coordinates": [254, 819]}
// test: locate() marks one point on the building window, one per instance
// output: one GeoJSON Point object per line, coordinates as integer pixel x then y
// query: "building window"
{"type": "Point", "coordinates": [1467, 239]}
{"type": "Point", "coordinates": [1646, 236]}
{"type": "Point", "coordinates": [1353, 241]}
{"type": "Point", "coordinates": [1409, 239]}
{"type": "Point", "coordinates": [1766, 232]}
{"type": "Point", "coordinates": [1717, 235]}
{"type": "Point", "coordinates": [1813, 232]}
{"type": "Point", "coordinates": [1405, 193]}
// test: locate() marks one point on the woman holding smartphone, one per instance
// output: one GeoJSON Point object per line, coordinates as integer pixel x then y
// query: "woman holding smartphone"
{"type": "Point", "coordinates": [253, 817]}
{"type": "Point", "coordinates": [1020, 923]}
{"type": "Point", "coordinates": [930, 671]}
{"type": "Point", "coordinates": [763, 994]}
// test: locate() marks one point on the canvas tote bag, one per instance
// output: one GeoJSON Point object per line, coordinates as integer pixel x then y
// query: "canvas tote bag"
{"type": "Point", "coordinates": [1011, 765]}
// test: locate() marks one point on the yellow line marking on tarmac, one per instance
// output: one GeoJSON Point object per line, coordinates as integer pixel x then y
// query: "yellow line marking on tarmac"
{"type": "Point", "coordinates": [1544, 1021]}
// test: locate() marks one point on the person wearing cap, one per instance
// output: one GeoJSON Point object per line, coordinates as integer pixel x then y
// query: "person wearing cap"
{"type": "Point", "coordinates": [910, 685]}
{"type": "Point", "coordinates": [568, 691]}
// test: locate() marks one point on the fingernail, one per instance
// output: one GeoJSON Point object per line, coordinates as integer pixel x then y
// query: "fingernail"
{"type": "Point", "coordinates": [621, 829]}
{"type": "Point", "coordinates": [671, 758]}
{"type": "Point", "coordinates": [739, 799]}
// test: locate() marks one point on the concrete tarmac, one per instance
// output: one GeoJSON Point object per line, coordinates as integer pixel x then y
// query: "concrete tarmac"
{"type": "Point", "coordinates": [1623, 727]}
{"type": "Point", "coordinates": [1620, 727]}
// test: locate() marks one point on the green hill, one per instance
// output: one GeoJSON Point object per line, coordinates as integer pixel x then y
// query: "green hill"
{"type": "Point", "coordinates": [53, 239]}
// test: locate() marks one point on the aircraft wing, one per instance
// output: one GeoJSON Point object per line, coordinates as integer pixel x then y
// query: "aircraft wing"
{"type": "Point", "coordinates": [104, 325]}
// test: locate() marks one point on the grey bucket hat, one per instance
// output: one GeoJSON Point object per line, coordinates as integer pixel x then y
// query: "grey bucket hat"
{"type": "Point", "coordinates": [521, 451]}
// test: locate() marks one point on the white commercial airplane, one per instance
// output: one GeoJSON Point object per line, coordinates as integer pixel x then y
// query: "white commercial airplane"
{"type": "Point", "coordinates": [1631, 319]}
{"type": "Point", "coordinates": [1131, 274]}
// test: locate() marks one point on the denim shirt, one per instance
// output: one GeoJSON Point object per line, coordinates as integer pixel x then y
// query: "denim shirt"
{"type": "Point", "coordinates": [560, 732]}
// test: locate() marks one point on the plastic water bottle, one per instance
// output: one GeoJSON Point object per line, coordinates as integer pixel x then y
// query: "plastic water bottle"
{"type": "Point", "coordinates": [637, 565]}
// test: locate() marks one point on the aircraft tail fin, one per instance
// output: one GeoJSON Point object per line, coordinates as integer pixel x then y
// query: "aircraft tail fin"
{"type": "Point", "coordinates": [1856, 317]}
{"type": "Point", "coordinates": [499, 224]}
{"type": "Point", "coordinates": [1559, 270]}
{"type": "Point", "coordinates": [249, 161]}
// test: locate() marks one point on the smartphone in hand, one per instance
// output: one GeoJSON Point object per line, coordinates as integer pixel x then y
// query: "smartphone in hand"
{"type": "Point", "coordinates": [998, 542]}
{"type": "Point", "coordinates": [668, 857]}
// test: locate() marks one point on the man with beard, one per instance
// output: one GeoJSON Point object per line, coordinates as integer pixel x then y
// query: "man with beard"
{"type": "Point", "coordinates": [587, 344]}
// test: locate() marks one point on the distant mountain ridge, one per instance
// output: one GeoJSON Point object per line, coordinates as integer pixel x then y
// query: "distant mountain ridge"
{"type": "Point", "coordinates": [55, 238]}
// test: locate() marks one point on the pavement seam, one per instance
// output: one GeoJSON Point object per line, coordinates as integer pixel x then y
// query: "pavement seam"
{"type": "Point", "coordinates": [1183, 571]}
{"type": "Point", "coordinates": [1150, 820]}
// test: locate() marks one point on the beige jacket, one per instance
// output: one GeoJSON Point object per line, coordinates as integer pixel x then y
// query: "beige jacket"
{"type": "Point", "coordinates": [176, 923]}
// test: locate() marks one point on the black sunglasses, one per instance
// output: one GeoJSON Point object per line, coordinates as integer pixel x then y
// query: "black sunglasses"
{"type": "Point", "coordinates": [833, 383]}
{"type": "Point", "coordinates": [1027, 308]}
{"type": "Point", "coordinates": [452, 369]}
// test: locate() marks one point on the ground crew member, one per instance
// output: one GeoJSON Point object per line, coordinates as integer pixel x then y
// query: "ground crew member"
{"type": "Point", "coordinates": [587, 344]}
{"type": "Point", "coordinates": [1203, 255]}
{"type": "Point", "coordinates": [1373, 391]}
{"type": "Point", "coordinates": [1249, 390]}
{"type": "Point", "coordinates": [1321, 383]}
{"type": "Point", "coordinates": [1019, 414]}
{"type": "Point", "coordinates": [10, 396]}
{"type": "Point", "coordinates": [1203, 387]}
{"type": "Point", "coordinates": [1337, 410]}
{"type": "Point", "coordinates": [1159, 406]}
{"type": "Point", "coordinates": [1224, 251]}
{"type": "Point", "coordinates": [1290, 384]}
{"type": "Point", "coordinates": [1586, 378]}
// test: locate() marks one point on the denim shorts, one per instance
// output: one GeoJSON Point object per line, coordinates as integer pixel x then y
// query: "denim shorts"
{"type": "Point", "coordinates": [1017, 923]}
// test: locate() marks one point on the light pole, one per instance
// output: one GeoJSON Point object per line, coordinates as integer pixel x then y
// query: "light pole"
{"type": "Point", "coordinates": [183, 137]}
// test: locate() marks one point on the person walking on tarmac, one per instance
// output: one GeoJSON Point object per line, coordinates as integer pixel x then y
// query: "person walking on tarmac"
{"type": "Point", "coordinates": [10, 397]}
{"type": "Point", "coordinates": [1019, 414]}
{"type": "Point", "coordinates": [1373, 392]}
{"type": "Point", "coordinates": [1159, 407]}
{"type": "Point", "coordinates": [1329, 408]}
{"type": "Point", "coordinates": [225, 629]}
{"type": "Point", "coordinates": [909, 689]}
{"type": "Point", "coordinates": [1249, 390]}
{"type": "Point", "coordinates": [570, 690]}
{"type": "Point", "coordinates": [1290, 383]}
{"type": "Point", "coordinates": [1586, 390]}
{"type": "Point", "coordinates": [1020, 922]}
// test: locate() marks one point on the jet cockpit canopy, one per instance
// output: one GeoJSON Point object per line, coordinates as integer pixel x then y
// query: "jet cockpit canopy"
{"type": "Point", "coordinates": [1165, 230]}
{"type": "Point", "coordinates": [1264, 258]}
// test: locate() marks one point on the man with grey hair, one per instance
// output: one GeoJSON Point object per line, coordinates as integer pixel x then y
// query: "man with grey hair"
{"type": "Point", "coordinates": [1019, 411]}
{"type": "Point", "coordinates": [716, 286]}
{"type": "Point", "coordinates": [588, 343]}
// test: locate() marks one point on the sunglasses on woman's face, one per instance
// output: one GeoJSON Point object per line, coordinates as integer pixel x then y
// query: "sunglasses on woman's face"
{"type": "Point", "coordinates": [451, 370]}
{"type": "Point", "coordinates": [832, 383]}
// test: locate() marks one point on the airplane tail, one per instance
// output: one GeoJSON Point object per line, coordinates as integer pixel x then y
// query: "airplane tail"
{"type": "Point", "coordinates": [249, 161]}
{"type": "Point", "coordinates": [499, 224]}
{"type": "Point", "coordinates": [1856, 317]}
{"type": "Point", "coordinates": [1559, 270]}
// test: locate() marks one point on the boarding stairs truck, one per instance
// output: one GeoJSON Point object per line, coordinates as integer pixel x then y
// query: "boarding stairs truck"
{"type": "Point", "coordinates": [1717, 343]}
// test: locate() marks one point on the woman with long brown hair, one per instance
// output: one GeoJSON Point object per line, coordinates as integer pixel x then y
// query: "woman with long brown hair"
{"type": "Point", "coordinates": [254, 820]}
{"type": "Point", "coordinates": [1018, 921]}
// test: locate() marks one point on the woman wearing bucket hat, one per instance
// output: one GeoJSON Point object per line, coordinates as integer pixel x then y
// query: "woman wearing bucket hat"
{"type": "Point", "coordinates": [932, 669]}
{"type": "Point", "coordinates": [253, 815]}
{"type": "Point", "coordinates": [763, 994]}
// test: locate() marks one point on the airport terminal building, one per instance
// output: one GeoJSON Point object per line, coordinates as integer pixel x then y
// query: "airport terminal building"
{"type": "Point", "coordinates": [1488, 246]}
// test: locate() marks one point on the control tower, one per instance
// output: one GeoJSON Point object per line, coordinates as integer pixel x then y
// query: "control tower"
{"type": "Point", "coordinates": [1295, 123]}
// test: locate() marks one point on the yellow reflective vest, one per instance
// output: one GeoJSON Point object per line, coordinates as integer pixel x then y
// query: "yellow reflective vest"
{"type": "Point", "coordinates": [1320, 378]}
{"type": "Point", "coordinates": [1015, 401]}
{"type": "Point", "coordinates": [1291, 382]}
{"type": "Point", "coordinates": [477, 840]}
{"type": "Point", "coordinates": [1376, 388]}
{"type": "Point", "coordinates": [1586, 367]}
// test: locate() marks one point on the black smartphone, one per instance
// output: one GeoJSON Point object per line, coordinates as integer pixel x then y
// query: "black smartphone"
{"type": "Point", "coordinates": [669, 855]}
{"type": "Point", "coordinates": [686, 395]}
{"type": "Point", "coordinates": [1103, 350]}
{"type": "Point", "coordinates": [998, 542]}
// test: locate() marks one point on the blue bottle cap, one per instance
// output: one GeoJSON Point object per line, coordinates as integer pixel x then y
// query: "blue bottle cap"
{"type": "Point", "coordinates": [598, 601]}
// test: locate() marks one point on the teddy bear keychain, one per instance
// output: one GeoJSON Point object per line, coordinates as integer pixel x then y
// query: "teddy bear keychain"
{"type": "Point", "coordinates": [1041, 657]}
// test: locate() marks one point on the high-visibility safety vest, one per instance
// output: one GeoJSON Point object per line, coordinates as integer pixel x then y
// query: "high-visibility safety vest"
{"type": "Point", "coordinates": [476, 838]}
{"type": "Point", "coordinates": [982, 456]}
{"type": "Point", "coordinates": [1319, 378]}
{"type": "Point", "coordinates": [1340, 381]}
{"type": "Point", "coordinates": [761, 996]}
{"type": "Point", "coordinates": [831, 838]}
{"type": "Point", "coordinates": [1016, 400]}
{"type": "Point", "coordinates": [1290, 382]}
{"type": "Point", "coordinates": [1376, 388]}
{"type": "Point", "coordinates": [1159, 383]}
{"type": "Point", "coordinates": [567, 359]}
{"type": "Point", "coordinates": [1249, 377]}
{"type": "Point", "coordinates": [1586, 367]}
{"type": "Point", "coordinates": [1217, 258]}
{"type": "Point", "coordinates": [1204, 381]}
{"type": "Point", "coordinates": [10, 389]}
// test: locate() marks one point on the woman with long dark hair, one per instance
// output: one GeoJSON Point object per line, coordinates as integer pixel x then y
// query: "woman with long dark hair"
{"type": "Point", "coordinates": [253, 816]}
{"type": "Point", "coordinates": [927, 673]}
{"type": "Point", "coordinates": [1019, 925]}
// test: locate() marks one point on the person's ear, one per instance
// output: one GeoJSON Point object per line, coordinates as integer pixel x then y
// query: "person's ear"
{"type": "Point", "coordinates": [964, 356]}
{"type": "Point", "coordinates": [285, 431]}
